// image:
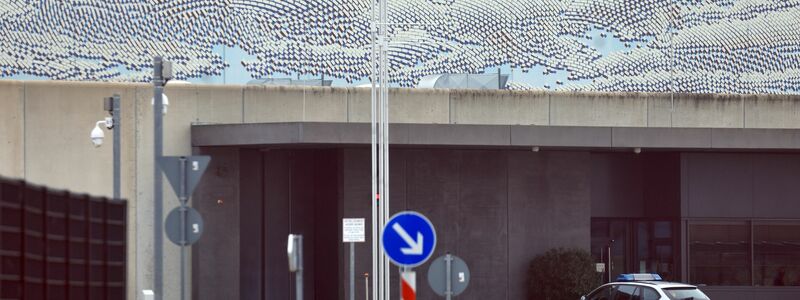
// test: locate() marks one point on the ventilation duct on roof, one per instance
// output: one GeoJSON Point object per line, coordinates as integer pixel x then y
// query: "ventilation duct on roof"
{"type": "Point", "coordinates": [464, 81]}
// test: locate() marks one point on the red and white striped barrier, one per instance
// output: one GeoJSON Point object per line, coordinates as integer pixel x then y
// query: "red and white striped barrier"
{"type": "Point", "coordinates": [408, 285]}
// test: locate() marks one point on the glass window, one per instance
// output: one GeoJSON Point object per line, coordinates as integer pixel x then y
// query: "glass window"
{"type": "Point", "coordinates": [662, 229]}
{"type": "Point", "coordinates": [600, 239]}
{"type": "Point", "coordinates": [643, 246]}
{"type": "Point", "coordinates": [776, 253]}
{"type": "Point", "coordinates": [650, 294]}
{"type": "Point", "coordinates": [654, 249]}
{"type": "Point", "coordinates": [637, 246]}
{"type": "Point", "coordinates": [601, 294]}
{"type": "Point", "coordinates": [616, 234]}
{"type": "Point", "coordinates": [719, 253]}
{"type": "Point", "coordinates": [625, 292]}
{"type": "Point", "coordinates": [685, 293]}
{"type": "Point", "coordinates": [637, 295]}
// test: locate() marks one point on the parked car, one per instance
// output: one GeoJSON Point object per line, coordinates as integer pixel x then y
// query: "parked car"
{"type": "Point", "coordinates": [645, 287]}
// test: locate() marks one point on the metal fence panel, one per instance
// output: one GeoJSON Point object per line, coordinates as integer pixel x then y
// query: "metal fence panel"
{"type": "Point", "coordinates": [58, 245]}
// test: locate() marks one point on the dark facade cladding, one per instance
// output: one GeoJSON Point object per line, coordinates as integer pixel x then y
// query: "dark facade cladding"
{"type": "Point", "coordinates": [59, 245]}
{"type": "Point", "coordinates": [727, 220]}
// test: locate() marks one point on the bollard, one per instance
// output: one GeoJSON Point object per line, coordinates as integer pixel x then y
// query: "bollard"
{"type": "Point", "coordinates": [366, 286]}
{"type": "Point", "coordinates": [148, 295]}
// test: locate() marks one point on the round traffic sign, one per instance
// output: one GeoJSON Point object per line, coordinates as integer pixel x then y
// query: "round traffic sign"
{"type": "Point", "coordinates": [194, 226]}
{"type": "Point", "coordinates": [408, 239]}
{"type": "Point", "coordinates": [459, 275]}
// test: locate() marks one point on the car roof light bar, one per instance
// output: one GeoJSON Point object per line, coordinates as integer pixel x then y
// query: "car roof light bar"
{"type": "Point", "coordinates": [639, 277]}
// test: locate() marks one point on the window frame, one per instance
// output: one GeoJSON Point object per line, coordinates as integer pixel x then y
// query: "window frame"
{"type": "Point", "coordinates": [686, 224]}
{"type": "Point", "coordinates": [767, 222]}
{"type": "Point", "coordinates": [715, 221]}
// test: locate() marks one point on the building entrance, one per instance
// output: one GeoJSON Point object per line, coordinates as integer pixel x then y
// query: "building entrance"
{"type": "Point", "coordinates": [636, 246]}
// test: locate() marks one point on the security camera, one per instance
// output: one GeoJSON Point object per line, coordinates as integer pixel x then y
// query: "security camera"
{"type": "Point", "coordinates": [164, 103]}
{"type": "Point", "coordinates": [97, 134]}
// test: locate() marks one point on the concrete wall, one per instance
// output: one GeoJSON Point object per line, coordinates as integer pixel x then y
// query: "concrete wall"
{"type": "Point", "coordinates": [628, 185]}
{"type": "Point", "coordinates": [548, 198]}
{"type": "Point", "coordinates": [740, 185]}
{"type": "Point", "coordinates": [12, 124]}
{"type": "Point", "coordinates": [44, 138]}
{"type": "Point", "coordinates": [495, 209]}
{"type": "Point", "coordinates": [617, 185]}
{"type": "Point", "coordinates": [215, 270]}
{"type": "Point", "coordinates": [44, 128]}
{"type": "Point", "coordinates": [282, 191]}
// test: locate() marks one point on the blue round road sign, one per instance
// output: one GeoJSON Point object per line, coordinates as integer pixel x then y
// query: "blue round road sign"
{"type": "Point", "coordinates": [408, 239]}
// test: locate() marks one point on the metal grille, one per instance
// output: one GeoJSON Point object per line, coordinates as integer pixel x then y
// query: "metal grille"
{"type": "Point", "coordinates": [59, 245]}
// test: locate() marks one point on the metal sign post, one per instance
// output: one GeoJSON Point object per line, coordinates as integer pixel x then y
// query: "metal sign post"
{"type": "Point", "coordinates": [158, 148]}
{"type": "Point", "coordinates": [181, 234]}
{"type": "Point", "coordinates": [448, 276]}
{"type": "Point", "coordinates": [162, 72]}
{"type": "Point", "coordinates": [366, 286]}
{"type": "Point", "coordinates": [408, 285]}
{"type": "Point", "coordinates": [353, 232]}
{"type": "Point", "coordinates": [448, 292]}
{"type": "Point", "coordinates": [408, 239]}
{"type": "Point", "coordinates": [294, 250]}
{"type": "Point", "coordinates": [609, 263]}
{"type": "Point", "coordinates": [183, 173]}
{"type": "Point", "coordinates": [380, 144]}
{"type": "Point", "coordinates": [112, 104]}
{"type": "Point", "coordinates": [352, 272]}
{"type": "Point", "coordinates": [298, 279]}
{"type": "Point", "coordinates": [117, 147]}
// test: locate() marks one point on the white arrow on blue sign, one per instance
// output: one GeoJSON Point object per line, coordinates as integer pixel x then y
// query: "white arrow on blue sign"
{"type": "Point", "coordinates": [408, 239]}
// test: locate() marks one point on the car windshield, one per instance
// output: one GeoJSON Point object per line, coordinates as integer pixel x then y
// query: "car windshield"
{"type": "Point", "coordinates": [685, 293]}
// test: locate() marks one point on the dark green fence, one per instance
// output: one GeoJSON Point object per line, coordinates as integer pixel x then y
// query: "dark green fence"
{"type": "Point", "coordinates": [58, 245]}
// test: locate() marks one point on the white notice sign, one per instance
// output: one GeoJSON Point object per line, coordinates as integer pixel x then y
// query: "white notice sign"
{"type": "Point", "coordinates": [353, 230]}
{"type": "Point", "coordinates": [600, 267]}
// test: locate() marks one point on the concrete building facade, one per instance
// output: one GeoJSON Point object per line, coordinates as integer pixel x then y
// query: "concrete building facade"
{"type": "Point", "coordinates": [712, 170]}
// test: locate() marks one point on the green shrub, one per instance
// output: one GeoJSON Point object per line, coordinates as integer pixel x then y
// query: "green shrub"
{"type": "Point", "coordinates": [562, 274]}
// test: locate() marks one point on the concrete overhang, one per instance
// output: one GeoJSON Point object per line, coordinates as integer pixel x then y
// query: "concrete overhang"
{"type": "Point", "coordinates": [502, 136]}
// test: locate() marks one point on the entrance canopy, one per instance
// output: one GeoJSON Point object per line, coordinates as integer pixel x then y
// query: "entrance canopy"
{"type": "Point", "coordinates": [513, 136]}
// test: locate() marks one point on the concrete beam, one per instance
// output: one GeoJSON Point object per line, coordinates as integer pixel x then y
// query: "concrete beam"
{"type": "Point", "coordinates": [661, 137]}
{"type": "Point", "coordinates": [561, 136]}
{"type": "Point", "coordinates": [726, 138]}
{"type": "Point", "coordinates": [488, 136]}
